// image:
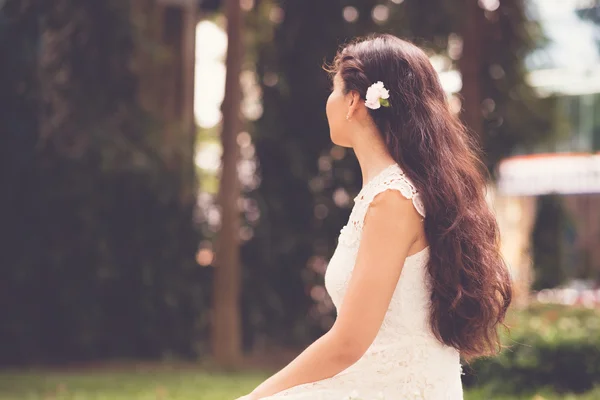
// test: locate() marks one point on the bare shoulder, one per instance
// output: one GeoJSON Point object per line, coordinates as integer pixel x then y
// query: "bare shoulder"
{"type": "Point", "coordinates": [392, 222]}
{"type": "Point", "coordinates": [391, 205]}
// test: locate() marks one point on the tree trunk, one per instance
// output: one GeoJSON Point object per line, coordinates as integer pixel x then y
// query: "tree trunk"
{"type": "Point", "coordinates": [226, 335]}
{"type": "Point", "coordinates": [471, 67]}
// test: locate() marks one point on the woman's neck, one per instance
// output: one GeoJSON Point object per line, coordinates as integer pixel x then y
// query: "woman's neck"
{"type": "Point", "coordinates": [371, 152]}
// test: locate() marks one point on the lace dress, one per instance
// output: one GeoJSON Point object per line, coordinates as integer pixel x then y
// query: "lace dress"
{"type": "Point", "coordinates": [405, 361]}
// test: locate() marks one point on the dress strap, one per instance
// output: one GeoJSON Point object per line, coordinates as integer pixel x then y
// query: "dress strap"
{"type": "Point", "coordinates": [392, 177]}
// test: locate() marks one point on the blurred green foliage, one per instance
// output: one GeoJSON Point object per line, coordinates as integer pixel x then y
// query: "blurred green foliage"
{"type": "Point", "coordinates": [548, 242]}
{"type": "Point", "coordinates": [549, 346]}
{"type": "Point", "coordinates": [97, 240]}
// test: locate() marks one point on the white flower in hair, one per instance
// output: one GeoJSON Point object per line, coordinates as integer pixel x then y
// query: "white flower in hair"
{"type": "Point", "coordinates": [377, 96]}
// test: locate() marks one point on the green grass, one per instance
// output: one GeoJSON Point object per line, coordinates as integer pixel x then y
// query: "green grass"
{"type": "Point", "coordinates": [166, 384]}
{"type": "Point", "coordinates": [127, 385]}
{"type": "Point", "coordinates": [485, 394]}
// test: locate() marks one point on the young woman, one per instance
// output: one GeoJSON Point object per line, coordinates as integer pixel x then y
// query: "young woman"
{"type": "Point", "coordinates": [417, 278]}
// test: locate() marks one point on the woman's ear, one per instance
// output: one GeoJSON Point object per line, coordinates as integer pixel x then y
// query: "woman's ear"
{"type": "Point", "coordinates": [354, 102]}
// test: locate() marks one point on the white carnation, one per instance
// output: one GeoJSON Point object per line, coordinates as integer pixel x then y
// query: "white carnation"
{"type": "Point", "coordinates": [375, 93]}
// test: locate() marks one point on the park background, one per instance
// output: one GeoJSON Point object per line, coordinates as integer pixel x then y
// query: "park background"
{"type": "Point", "coordinates": [170, 195]}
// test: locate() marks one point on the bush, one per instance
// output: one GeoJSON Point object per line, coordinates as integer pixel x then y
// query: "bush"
{"type": "Point", "coordinates": [548, 346]}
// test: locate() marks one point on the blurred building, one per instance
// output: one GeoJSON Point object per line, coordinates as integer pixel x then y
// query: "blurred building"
{"type": "Point", "coordinates": [568, 67]}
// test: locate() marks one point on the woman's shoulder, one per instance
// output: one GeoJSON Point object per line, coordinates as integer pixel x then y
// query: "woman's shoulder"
{"type": "Point", "coordinates": [396, 186]}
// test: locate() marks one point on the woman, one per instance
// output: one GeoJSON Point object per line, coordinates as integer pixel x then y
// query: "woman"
{"type": "Point", "coordinates": [417, 278]}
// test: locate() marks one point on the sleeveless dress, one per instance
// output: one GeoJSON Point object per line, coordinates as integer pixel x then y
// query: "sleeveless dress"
{"type": "Point", "coordinates": [405, 361]}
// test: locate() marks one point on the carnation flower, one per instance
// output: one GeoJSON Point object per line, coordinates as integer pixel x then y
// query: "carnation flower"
{"type": "Point", "coordinates": [377, 96]}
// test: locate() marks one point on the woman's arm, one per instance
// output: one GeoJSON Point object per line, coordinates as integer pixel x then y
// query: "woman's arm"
{"type": "Point", "coordinates": [391, 227]}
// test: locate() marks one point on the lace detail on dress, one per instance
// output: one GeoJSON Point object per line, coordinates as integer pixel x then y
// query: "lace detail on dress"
{"type": "Point", "coordinates": [391, 177]}
{"type": "Point", "coordinates": [410, 372]}
{"type": "Point", "coordinates": [405, 361]}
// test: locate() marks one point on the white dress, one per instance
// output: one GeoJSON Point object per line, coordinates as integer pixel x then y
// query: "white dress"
{"type": "Point", "coordinates": [405, 360]}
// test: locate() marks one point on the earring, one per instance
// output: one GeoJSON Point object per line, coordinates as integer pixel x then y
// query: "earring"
{"type": "Point", "coordinates": [348, 117]}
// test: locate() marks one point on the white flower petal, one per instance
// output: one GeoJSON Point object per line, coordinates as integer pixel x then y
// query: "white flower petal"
{"type": "Point", "coordinates": [372, 93]}
{"type": "Point", "coordinates": [375, 92]}
{"type": "Point", "coordinates": [373, 105]}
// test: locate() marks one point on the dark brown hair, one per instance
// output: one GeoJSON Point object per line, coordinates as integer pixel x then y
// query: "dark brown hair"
{"type": "Point", "coordinates": [471, 287]}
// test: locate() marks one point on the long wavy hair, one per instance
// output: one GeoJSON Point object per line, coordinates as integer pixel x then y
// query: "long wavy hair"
{"type": "Point", "coordinates": [471, 286]}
